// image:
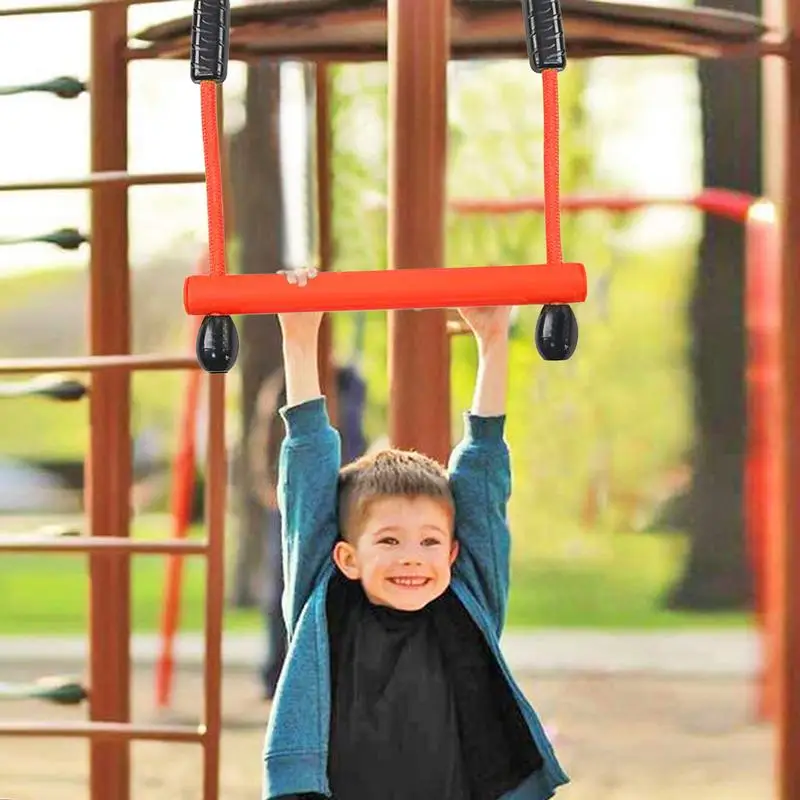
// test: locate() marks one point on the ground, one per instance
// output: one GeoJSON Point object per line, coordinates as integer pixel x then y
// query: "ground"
{"type": "Point", "coordinates": [619, 737]}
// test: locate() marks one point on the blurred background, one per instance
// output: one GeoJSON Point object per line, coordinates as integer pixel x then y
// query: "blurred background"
{"type": "Point", "coordinates": [631, 613]}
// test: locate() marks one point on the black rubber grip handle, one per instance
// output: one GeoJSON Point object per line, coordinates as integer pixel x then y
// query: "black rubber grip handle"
{"type": "Point", "coordinates": [211, 25]}
{"type": "Point", "coordinates": [544, 35]}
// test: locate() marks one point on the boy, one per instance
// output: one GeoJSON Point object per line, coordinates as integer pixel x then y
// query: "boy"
{"type": "Point", "coordinates": [396, 586]}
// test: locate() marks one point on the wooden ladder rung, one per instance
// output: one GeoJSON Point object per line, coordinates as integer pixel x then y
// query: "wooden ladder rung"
{"type": "Point", "coordinates": [109, 178]}
{"type": "Point", "coordinates": [30, 543]}
{"type": "Point", "coordinates": [30, 366]}
{"type": "Point", "coordinates": [118, 731]}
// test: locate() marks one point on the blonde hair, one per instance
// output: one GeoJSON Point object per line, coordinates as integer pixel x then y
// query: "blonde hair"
{"type": "Point", "coordinates": [388, 473]}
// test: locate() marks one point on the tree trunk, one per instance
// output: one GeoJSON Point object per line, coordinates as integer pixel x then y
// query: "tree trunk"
{"type": "Point", "coordinates": [258, 199]}
{"type": "Point", "coordinates": [716, 574]}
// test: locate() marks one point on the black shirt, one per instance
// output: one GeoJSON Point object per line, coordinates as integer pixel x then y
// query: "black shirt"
{"type": "Point", "coordinates": [394, 729]}
{"type": "Point", "coordinates": [420, 709]}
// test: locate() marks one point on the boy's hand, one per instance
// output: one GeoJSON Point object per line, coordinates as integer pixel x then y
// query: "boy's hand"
{"type": "Point", "coordinates": [300, 325]}
{"type": "Point", "coordinates": [488, 323]}
{"type": "Point", "coordinates": [490, 326]}
{"type": "Point", "coordinates": [300, 345]}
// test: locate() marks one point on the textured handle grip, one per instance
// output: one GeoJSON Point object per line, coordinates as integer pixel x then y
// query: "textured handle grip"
{"type": "Point", "coordinates": [210, 33]}
{"type": "Point", "coordinates": [544, 35]}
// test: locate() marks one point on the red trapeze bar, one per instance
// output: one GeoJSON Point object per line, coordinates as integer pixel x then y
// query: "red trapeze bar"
{"type": "Point", "coordinates": [460, 287]}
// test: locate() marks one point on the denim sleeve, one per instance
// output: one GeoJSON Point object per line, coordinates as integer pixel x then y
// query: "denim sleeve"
{"type": "Point", "coordinates": [308, 473]}
{"type": "Point", "coordinates": [480, 479]}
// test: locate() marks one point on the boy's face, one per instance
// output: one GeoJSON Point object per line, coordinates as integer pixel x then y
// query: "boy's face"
{"type": "Point", "coordinates": [403, 553]}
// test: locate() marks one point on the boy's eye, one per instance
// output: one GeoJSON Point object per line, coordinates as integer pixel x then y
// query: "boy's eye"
{"type": "Point", "coordinates": [431, 542]}
{"type": "Point", "coordinates": [387, 540]}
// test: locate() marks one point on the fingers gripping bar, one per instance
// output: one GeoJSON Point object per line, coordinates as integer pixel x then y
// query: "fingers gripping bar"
{"type": "Point", "coordinates": [218, 295]}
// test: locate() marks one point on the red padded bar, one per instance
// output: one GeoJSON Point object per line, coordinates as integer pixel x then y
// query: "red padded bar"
{"type": "Point", "coordinates": [387, 289]}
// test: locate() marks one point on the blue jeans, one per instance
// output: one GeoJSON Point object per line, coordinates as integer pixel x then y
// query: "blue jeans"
{"type": "Point", "coordinates": [273, 616]}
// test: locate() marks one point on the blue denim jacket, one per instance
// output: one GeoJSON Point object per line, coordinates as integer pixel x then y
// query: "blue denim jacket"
{"type": "Point", "coordinates": [296, 746]}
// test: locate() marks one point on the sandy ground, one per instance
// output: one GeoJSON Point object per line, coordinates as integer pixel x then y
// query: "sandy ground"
{"type": "Point", "coordinates": [620, 738]}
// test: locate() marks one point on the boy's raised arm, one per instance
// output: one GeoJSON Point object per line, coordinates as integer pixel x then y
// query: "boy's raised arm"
{"type": "Point", "coordinates": [301, 349]}
{"type": "Point", "coordinates": [480, 473]}
{"type": "Point", "coordinates": [309, 463]}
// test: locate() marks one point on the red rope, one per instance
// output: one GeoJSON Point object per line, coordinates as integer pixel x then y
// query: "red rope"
{"type": "Point", "coordinates": [211, 154]}
{"type": "Point", "coordinates": [552, 203]}
{"type": "Point", "coordinates": [216, 214]}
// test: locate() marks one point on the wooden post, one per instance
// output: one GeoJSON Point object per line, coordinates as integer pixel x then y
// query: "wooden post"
{"type": "Point", "coordinates": [788, 551]}
{"type": "Point", "coordinates": [108, 483]}
{"type": "Point", "coordinates": [419, 362]}
{"type": "Point", "coordinates": [256, 196]}
{"type": "Point", "coordinates": [217, 477]}
{"type": "Point", "coordinates": [324, 227]}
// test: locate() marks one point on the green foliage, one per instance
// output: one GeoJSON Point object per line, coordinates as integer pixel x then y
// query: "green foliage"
{"type": "Point", "coordinates": [25, 285]}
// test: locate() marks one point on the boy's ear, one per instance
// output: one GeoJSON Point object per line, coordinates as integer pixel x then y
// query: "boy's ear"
{"type": "Point", "coordinates": [453, 552]}
{"type": "Point", "coordinates": [344, 556]}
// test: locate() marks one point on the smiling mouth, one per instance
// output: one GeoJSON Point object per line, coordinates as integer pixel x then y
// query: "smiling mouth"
{"type": "Point", "coordinates": [409, 583]}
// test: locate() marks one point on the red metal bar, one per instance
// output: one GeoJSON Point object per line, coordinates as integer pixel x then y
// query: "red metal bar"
{"type": "Point", "coordinates": [109, 463]}
{"type": "Point", "coordinates": [216, 484]}
{"type": "Point", "coordinates": [762, 472]}
{"type": "Point", "coordinates": [22, 543]}
{"type": "Point", "coordinates": [763, 478]}
{"type": "Point", "coordinates": [418, 50]}
{"type": "Point", "coordinates": [391, 289]}
{"type": "Point", "coordinates": [720, 202]}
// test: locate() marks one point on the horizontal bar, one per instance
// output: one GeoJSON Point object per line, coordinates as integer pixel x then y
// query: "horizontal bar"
{"type": "Point", "coordinates": [386, 289]}
{"type": "Point", "coordinates": [72, 8]}
{"type": "Point", "coordinates": [27, 543]}
{"type": "Point", "coordinates": [29, 366]}
{"type": "Point", "coordinates": [720, 202]}
{"type": "Point", "coordinates": [118, 731]}
{"type": "Point", "coordinates": [106, 179]}
{"type": "Point", "coordinates": [250, 51]}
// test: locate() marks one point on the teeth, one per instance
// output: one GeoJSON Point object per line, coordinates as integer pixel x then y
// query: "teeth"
{"type": "Point", "coordinates": [409, 581]}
